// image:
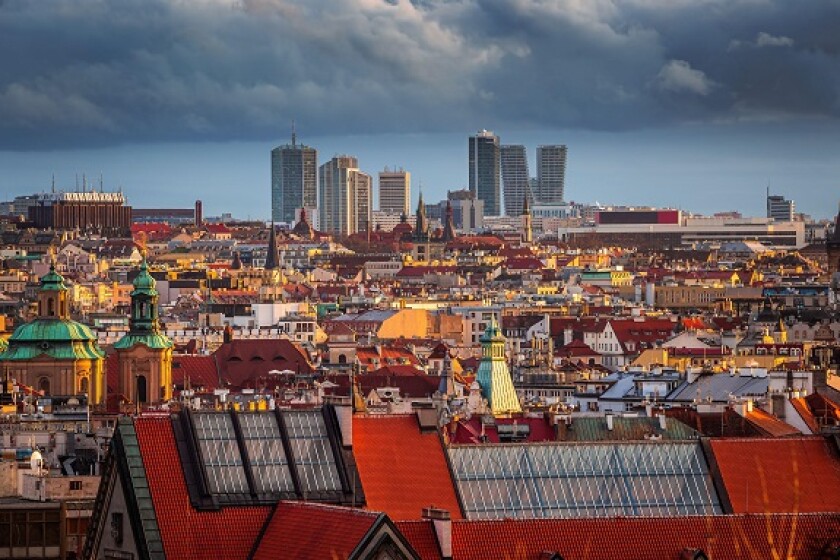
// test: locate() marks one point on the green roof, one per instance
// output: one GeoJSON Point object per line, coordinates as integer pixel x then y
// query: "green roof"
{"type": "Point", "coordinates": [628, 429]}
{"type": "Point", "coordinates": [155, 341]}
{"type": "Point", "coordinates": [52, 281]}
{"type": "Point", "coordinates": [57, 338]}
{"type": "Point", "coordinates": [144, 283]}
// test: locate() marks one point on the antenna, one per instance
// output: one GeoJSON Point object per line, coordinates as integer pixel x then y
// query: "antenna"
{"type": "Point", "coordinates": [101, 189]}
{"type": "Point", "coordinates": [294, 134]}
{"type": "Point", "coordinates": [53, 183]}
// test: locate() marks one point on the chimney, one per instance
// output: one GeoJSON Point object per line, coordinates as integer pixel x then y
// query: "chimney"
{"type": "Point", "coordinates": [609, 418]}
{"type": "Point", "coordinates": [442, 523]}
{"type": "Point", "coordinates": [663, 422]}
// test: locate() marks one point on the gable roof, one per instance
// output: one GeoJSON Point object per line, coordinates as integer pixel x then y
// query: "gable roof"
{"type": "Point", "coordinates": [401, 468]}
{"type": "Point", "coordinates": [779, 475]}
{"type": "Point", "coordinates": [307, 530]}
{"type": "Point", "coordinates": [186, 532]}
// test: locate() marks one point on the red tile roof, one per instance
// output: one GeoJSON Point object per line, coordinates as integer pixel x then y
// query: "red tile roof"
{"type": "Point", "coordinates": [402, 469]}
{"type": "Point", "coordinates": [199, 370]}
{"type": "Point", "coordinates": [720, 537]}
{"type": "Point", "coordinates": [769, 425]}
{"type": "Point", "coordinates": [228, 533]}
{"type": "Point", "coordinates": [307, 530]}
{"type": "Point", "coordinates": [779, 475]}
{"type": "Point", "coordinates": [242, 362]}
{"type": "Point", "coordinates": [421, 536]}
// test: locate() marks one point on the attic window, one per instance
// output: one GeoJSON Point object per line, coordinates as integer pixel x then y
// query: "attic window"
{"type": "Point", "coordinates": [257, 359]}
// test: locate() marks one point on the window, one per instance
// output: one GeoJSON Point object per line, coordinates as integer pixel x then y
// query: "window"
{"type": "Point", "coordinates": [220, 453]}
{"type": "Point", "coordinates": [117, 527]}
{"type": "Point", "coordinates": [75, 485]}
{"type": "Point", "coordinates": [266, 454]}
{"type": "Point", "coordinates": [310, 446]}
{"type": "Point", "coordinates": [583, 480]}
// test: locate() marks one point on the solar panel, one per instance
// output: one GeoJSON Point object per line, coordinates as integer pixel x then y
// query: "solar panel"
{"type": "Point", "coordinates": [264, 445]}
{"type": "Point", "coordinates": [220, 453]}
{"type": "Point", "coordinates": [311, 450]}
{"type": "Point", "coordinates": [583, 480]}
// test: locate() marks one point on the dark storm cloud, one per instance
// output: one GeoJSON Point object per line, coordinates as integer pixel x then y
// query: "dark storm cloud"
{"type": "Point", "coordinates": [79, 73]}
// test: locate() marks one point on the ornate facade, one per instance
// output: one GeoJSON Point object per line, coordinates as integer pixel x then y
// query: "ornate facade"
{"type": "Point", "coordinates": [54, 354]}
{"type": "Point", "coordinates": [145, 353]}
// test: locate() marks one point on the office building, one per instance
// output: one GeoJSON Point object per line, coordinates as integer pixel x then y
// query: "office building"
{"type": "Point", "coordinates": [293, 180]}
{"type": "Point", "coordinates": [779, 208]}
{"type": "Point", "coordinates": [395, 191]}
{"type": "Point", "coordinates": [345, 196]}
{"type": "Point", "coordinates": [551, 173]}
{"type": "Point", "coordinates": [101, 212]}
{"type": "Point", "coordinates": [514, 178]}
{"type": "Point", "coordinates": [484, 163]}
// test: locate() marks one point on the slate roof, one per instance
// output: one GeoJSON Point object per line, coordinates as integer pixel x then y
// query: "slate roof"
{"type": "Point", "coordinates": [401, 468]}
{"type": "Point", "coordinates": [719, 387]}
{"type": "Point", "coordinates": [307, 530]}
{"type": "Point", "coordinates": [186, 532]}
{"type": "Point", "coordinates": [779, 475]}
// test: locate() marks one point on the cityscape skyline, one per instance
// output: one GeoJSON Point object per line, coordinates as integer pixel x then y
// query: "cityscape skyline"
{"type": "Point", "coordinates": [643, 168]}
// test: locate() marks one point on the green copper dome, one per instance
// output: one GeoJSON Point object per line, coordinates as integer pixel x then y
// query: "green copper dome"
{"type": "Point", "coordinates": [144, 282]}
{"type": "Point", "coordinates": [492, 332]}
{"type": "Point", "coordinates": [58, 338]}
{"type": "Point", "coordinates": [52, 281]}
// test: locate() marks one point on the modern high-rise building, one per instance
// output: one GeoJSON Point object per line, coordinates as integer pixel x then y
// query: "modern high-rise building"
{"type": "Point", "coordinates": [514, 178]}
{"type": "Point", "coordinates": [293, 180]}
{"type": "Point", "coordinates": [395, 191]}
{"type": "Point", "coordinates": [779, 208]}
{"type": "Point", "coordinates": [551, 173]}
{"type": "Point", "coordinates": [484, 162]}
{"type": "Point", "coordinates": [345, 196]}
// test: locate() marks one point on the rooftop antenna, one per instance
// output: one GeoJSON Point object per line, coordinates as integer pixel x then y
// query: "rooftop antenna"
{"type": "Point", "coordinates": [84, 182]}
{"type": "Point", "coordinates": [77, 182]}
{"type": "Point", "coordinates": [101, 188]}
{"type": "Point", "coordinates": [53, 183]}
{"type": "Point", "coordinates": [294, 134]}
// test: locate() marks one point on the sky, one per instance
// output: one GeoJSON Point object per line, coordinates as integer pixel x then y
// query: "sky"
{"type": "Point", "coordinates": [695, 104]}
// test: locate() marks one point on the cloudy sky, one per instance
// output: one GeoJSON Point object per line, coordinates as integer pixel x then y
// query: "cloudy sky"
{"type": "Point", "coordinates": [699, 104]}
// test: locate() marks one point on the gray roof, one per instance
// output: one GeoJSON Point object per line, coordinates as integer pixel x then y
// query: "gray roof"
{"type": "Point", "coordinates": [719, 387]}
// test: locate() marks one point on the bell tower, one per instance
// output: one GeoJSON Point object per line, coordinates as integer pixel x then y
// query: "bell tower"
{"type": "Point", "coordinates": [145, 353]}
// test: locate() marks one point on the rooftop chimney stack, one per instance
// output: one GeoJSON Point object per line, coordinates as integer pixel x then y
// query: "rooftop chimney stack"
{"type": "Point", "coordinates": [442, 522]}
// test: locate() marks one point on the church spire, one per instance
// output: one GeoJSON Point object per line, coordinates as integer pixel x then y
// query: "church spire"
{"type": "Point", "coordinates": [271, 256]}
{"type": "Point", "coordinates": [421, 229]}
{"type": "Point", "coordinates": [449, 224]}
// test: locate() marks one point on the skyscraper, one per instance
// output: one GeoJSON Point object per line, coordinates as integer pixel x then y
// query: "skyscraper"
{"type": "Point", "coordinates": [293, 180]}
{"type": "Point", "coordinates": [514, 177]}
{"type": "Point", "coordinates": [779, 208]}
{"type": "Point", "coordinates": [394, 191]}
{"type": "Point", "coordinates": [345, 196]}
{"type": "Point", "coordinates": [551, 173]}
{"type": "Point", "coordinates": [484, 170]}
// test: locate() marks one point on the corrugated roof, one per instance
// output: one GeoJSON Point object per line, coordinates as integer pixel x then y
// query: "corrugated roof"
{"type": "Point", "coordinates": [627, 428]}
{"type": "Point", "coordinates": [719, 387]}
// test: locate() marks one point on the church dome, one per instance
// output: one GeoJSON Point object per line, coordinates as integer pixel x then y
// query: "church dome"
{"type": "Point", "coordinates": [58, 338]}
{"type": "Point", "coordinates": [144, 282]}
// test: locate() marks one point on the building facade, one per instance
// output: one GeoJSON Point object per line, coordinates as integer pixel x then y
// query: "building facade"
{"type": "Point", "coordinates": [293, 180]}
{"type": "Point", "coordinates": [345, 197]}
{"type": "Point", "coordinates": [779, 208]}
{"type": "Point", "coordinates": [395, 191]}
{"type": "Point", "coordinates": [102, 212]}
{"type": "Point", "coordinates": [484, 163]}
{"type": "Point", "coordinates": [514, 177]}
{"type": "Point", "coordinates": [551, 173]}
